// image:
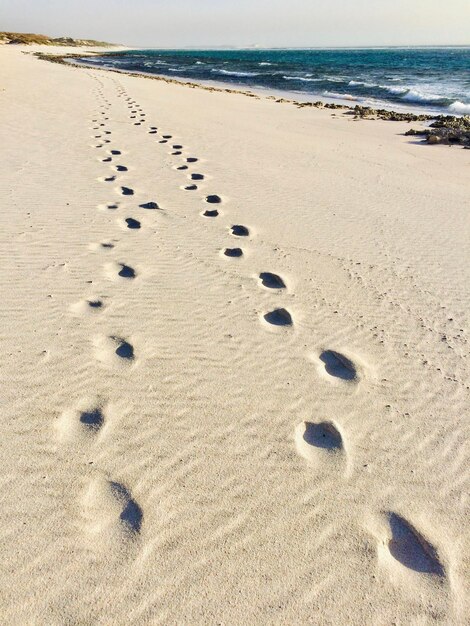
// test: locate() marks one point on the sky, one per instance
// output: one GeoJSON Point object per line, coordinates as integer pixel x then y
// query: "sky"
{"type": "Point", "coordinates": [235, 23]}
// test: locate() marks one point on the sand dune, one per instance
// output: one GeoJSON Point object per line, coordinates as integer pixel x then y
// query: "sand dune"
{"type": "Point", "coordinates": [235, 339]}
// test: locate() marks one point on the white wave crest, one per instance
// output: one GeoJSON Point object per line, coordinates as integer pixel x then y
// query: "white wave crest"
{"type": "Point", "coordinates": [302, 78]}
{"type": "Point", "coordinates": [357, 83]}
{"type": "Point", "coordinates": [229, 73]}
{"type": "Point", "coordinates": [394, 90]}
{"type": "Point", "coordinates": [414, 95]}
{"type": "Point", "coordinates": [459, 108]}
{"type": "Point", "coordinates": [264, 63]}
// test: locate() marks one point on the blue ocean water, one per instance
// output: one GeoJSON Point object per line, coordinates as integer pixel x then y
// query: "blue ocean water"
{"type": "Point", "coordinates": [432, 79]}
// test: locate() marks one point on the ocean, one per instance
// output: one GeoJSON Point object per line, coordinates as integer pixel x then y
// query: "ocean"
{"type": "Point", "coordinates": [423, 79]}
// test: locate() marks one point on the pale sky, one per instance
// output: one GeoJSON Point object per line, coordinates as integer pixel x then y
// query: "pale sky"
{"type": "Point", "coordinates": [179, 23]}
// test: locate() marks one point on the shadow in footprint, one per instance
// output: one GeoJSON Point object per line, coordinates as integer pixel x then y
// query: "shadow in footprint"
{"type": "Point", "coordinates": [107, 160]}
{"type": "Point", "coordinates": [131, 514]}
{"type": "Point", "coordinates": [324, 435]}
{"type": "Point", "coordinates": [213, 213]}
{"type": "Point", "coordinates": [95, 304]}
{"type": "Point", "coordinates": [126, 271]}
{"type": "Point", "coordinates": [191, 187]}
{"type": "Point", "coordinates": [132, 223]}
{"type": "Point", "coordinates": [240, 231]}
{"type": "Point", "coordinates": [149, 205]}
{"type": "Point", "coordinates": [271, 281]}
{"type": "Point", "coordinates": [182, 167]}
{"type": "Point", "coordinates": [115, 152]}
{"type": "Point", "coordinates": [191, 160]}
{"type": "Point", "coordinates": [233, 252]}
{"type": "Point", "coordinates": [338, 365]}
{"type": "Point", "coordinates": [177, 146]}
{"type": "Point", "coordinates": [127, 191]}
{"type": "Point", "coordinates": [410, 548]}
{"type": "Point", "coordinates": [279, 317]}
{"type": "Point", "coordinates": [93, 419]}
{"type": "Point", "coordinates": [124, 349]}
{"type": "Point", "coordinates": [197, 177]}
{"type": "Point", "coordinates": [213, 199]}
{"type": "Point", "coordinates": [121, 168]}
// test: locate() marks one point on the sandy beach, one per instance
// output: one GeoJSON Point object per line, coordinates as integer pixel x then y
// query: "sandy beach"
{"type": "Point", "coordinates": [236, 366]}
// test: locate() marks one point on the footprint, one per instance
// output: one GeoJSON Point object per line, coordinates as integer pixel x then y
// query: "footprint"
{"type": "Point", "coordinates": [124, 350]}
{"type": "Point", "coordinates": [121, 168]}
{"type": "Point", "coordinates": [166, 136]}
{"type": "Point", "coordinates": [107, 160]}
{"type": "Point", "coordinates": [107, 245]}
{"type": "Point", "coordinates": [92, 419]}
{"type": "Point", "coordinates": [126, 271]}
{"type": "Point", "coordinates": [209, 213]}
{"type": "Point", "coordinates": [115, 152]}
{"type": "Point", "coordinates": [411, 549]}
{"type": "Point", "coordinates": [163, 141]}
{"type": "Point", "coordinates": [337, 365]}
{"type": "Point", "coordinates": [279, 317]}
{"type": "Point", "coordinates": [320, 442]}
{"type": "Point", "coordinates": [191, 187]}
{"type": "Point", "coordinates": [152, 132]}
{"type": "Point", "coordinates": [177, 146]}
{"type": "Point", "coordinates": [214, 199]}
{"type": "Point", "coordinates": [182, 167]}
{"type": "Point", "coordinates": [240, 231]}
{"type": "Point", "coordinates": [271, 281]}
{"type": "Point", "coordinates": [111, 514]}
{"type": "Point", "coordinates": [88, 306]}
{"type": "Point", "coordinates": [149, 205]}
{"type": "Point", "coordinates": [191, 160]}
{"type": "Point", "coordinates": [197, 176]}
{"type": "Point", "coordinates": [233, 252]}
{"type": "Point", "coordinates": [127, 191]}
{"type": "Point", "coordinates": [176, 153]}
{"type": "Point", "coordinates": [131, 514]}
{"type": "Point", "coordinates": [132, 223]}
{"type": "Point", "coordinates": [83, 421]}
{"type": "Point", "coordinates": [109, 179]}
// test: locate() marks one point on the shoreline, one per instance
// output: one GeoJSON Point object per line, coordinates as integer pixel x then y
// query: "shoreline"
{"type": "Point", "coordinates": [450, 130]}
{"type": "Point", "coordinates": [399, 116]}
{"type": "Point", "coordinates": [365, 101]}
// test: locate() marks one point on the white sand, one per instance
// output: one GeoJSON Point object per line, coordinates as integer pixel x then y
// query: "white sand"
{"type": "Point", "coordinates": [224, 475]}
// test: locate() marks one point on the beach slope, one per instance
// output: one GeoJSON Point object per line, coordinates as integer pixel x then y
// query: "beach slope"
{"type": "Point", "coordinates": [235, 359]}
